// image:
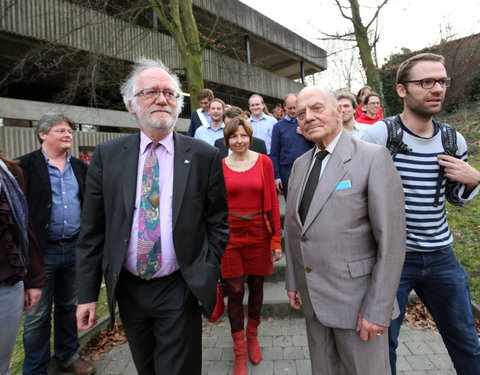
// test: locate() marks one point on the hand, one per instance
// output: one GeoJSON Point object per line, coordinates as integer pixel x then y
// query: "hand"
{"type": "Point", "coordinates": [460, 171]}
{"type": "Point", "coordinates": [31, 297]}
{"type": "Point", "coordinates": [298, 130]}
{"type": "Point", "coordinates": [86, 315]}
{"type": "Point", "coordinates": [368, 331]}
{"type": "Point", "coordinates": [279, 186]}
{"type": "Point", "coordinates": [276, 255]}
{"type": "Point", "coordinates": [295, 300]}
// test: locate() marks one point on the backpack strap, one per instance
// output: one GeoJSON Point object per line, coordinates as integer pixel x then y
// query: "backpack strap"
{"type": "Point", "coordinates": [395, 137]}
{"type": "Point", "coordinates": [449, 143]}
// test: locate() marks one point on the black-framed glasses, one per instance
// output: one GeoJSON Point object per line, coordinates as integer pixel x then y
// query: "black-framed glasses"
{"type": "Point", "coordinates": [154, 94]}
{"type": "Point", "coordinates": [428, 83]}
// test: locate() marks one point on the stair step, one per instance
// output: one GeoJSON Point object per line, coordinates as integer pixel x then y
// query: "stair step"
{"type": "Point", "coordinates": [275, 301]}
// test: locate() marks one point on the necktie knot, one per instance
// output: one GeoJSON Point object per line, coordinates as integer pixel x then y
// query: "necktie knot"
{"type": "Point", "coordinates": [321, 155]}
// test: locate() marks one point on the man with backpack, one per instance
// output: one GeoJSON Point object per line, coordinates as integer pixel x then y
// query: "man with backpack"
{"type": "Point", "coordinates": [431, 159]}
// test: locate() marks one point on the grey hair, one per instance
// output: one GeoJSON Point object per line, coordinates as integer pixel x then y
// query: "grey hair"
{"type": "Point", "coordinates": [128, 88]}
{"type": "Point", "coordinates": [49, 120]}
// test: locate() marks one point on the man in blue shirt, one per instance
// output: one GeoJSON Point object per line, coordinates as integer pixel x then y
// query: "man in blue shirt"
{"type": "Point", "coordinates": [55, 187]}
{"type": "Point", "coordinates": [262, 124]}
{"type": "Point", "coordinates": [210, 133]}
{"type": "Point", "coordinates": [287, 144]}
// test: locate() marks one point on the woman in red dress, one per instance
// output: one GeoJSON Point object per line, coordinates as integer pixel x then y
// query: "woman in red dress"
{"type": "Point", "coordinates": [254, 220]}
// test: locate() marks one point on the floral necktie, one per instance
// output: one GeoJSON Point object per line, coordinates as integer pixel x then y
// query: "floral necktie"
{"type": "Point", "coordinates": [149, 246]}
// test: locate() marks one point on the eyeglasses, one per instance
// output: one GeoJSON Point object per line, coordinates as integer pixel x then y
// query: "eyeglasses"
{"type": "Point", "coordinates": [155, 93]}
{"type": "Point", "coordinates": [428, 83]}
{"type": "Point", "coordinates": [63, 131]}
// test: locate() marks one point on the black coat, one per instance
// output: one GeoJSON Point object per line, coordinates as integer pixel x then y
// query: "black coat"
{"type": "Point", "coordinates": [39, 190]}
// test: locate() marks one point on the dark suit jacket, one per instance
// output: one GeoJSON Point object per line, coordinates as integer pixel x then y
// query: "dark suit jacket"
{"type": "Point", "coordinates": [39, 190]}
{"type": "Point", "coordinates": [258, 145]}
{"type": "Point", "coordinates": [199, 217]}
{"type": "Point", "coordinates": [194, 124]}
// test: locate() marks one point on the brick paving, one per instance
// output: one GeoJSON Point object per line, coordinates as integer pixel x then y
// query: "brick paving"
{"type": "Point", "coordinates": [285, 351]}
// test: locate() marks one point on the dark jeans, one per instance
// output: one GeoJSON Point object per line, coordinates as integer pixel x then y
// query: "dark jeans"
{"type": "Point", "coordinates": [442, 285]}
{"type": "Point", "coordinates": [285, 171]}
{"type": "Point", "coordinates": [60, 290]}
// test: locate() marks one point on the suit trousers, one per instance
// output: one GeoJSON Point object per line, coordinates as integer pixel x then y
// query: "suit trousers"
{"type": "Point", "coordinates": [335, 351]}
{"type": "Point", "coordinates": [162, 321]}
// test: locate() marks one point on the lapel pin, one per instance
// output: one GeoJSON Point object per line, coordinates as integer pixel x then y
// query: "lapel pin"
{"type": "Point", "coordinates": [186, 161]}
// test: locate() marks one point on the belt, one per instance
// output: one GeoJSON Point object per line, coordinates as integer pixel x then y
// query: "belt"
{"type": "Point", "coordinates": [62, 241]}
{"type": "Point", "coordinates": [246, 217]}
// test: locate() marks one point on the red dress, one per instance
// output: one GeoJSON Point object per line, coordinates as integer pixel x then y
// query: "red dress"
{"type": "Point", "coordinates": [251, 239]}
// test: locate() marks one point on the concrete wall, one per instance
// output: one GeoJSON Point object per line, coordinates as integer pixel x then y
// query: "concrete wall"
{"type": "Point", "coordinates": [20, 140]}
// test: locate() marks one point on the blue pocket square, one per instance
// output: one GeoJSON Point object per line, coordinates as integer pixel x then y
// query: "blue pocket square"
{"type": "Point", "coordinates": [343, 185]}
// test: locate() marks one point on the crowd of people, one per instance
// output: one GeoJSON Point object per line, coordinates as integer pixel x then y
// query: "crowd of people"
{"type": "Point", "coordinates": [161, 217]}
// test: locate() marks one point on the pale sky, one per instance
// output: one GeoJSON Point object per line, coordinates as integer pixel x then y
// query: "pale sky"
{"type": "Point", "coordinates": [413, 24]}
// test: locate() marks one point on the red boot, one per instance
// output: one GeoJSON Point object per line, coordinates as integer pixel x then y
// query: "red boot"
{"type": "Point", "coordinates": [240, 350]}
{"type": "Point", "coordinates": [254, 352]}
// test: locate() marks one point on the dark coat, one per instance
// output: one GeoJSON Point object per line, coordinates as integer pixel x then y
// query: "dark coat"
{"type": "Point", "coordinates": [39, 190]}
{"type": "Point", "coordinates": [199, 217]}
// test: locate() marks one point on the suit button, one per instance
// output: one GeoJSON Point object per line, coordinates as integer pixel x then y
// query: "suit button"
{"type": "Point", "coordinates": [308, 270]}
{"type": "Point", "coordinates": [303, 239]}
{"type": "Point", "coordinates": [46, 226]}
{"type": "Point", "coordinates": [115, 276]}
{"type": "Point", "coordinates": [49, 205]}
{"type": "Point", "coordinates": [125, 242]}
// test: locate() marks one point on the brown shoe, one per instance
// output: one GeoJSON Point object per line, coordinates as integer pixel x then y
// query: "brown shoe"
{"type": "Point", "coordinates": [80, 367]}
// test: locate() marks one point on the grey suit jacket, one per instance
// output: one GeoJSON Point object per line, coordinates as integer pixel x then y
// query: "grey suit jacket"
{"type": "Point", "coordinates": [199, 217]}
{"type": "Point", "coordinates": [347, 257]}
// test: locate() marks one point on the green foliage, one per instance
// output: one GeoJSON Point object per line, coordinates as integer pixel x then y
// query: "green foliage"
{"type": "Point", "coordinates": [465, 225]}
{"type": "Point", "coordinates": [472, 90]}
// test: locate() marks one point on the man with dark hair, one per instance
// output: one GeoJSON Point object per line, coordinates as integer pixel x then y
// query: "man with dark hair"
{"type": "Point", "coordinates": [154, 224]}
{"type": "Point", "coordinates": [213, 131]}
{"type": "Point", "coordinates": [430, 177]}
{"type": "Point", "coordinates": [349, 104]}
{"type": "Point", "coordinates": [55, 191]}
{"type": "Point", "coordinates": [288, 143]}
{"type": "Point", "coordinates": [201, 116]}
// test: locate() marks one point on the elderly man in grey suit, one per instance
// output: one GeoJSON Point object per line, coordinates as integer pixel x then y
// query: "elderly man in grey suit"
{"type": "Point", "coordinates": [344, 237]}
{"type": "Point", "coordinates": [154, 223]}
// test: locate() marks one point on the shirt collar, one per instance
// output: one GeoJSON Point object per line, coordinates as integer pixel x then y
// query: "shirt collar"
{"type": "Point", "coordinates": [221, 126]}
{"type": "Point", "coordinates": [47, 159]}
{"type": "Point", "coordinates": [331, 147]}
{"type": "Point", "coordinates": [166, 142]}
{"type": "Point", "coordinates": [288, 118]}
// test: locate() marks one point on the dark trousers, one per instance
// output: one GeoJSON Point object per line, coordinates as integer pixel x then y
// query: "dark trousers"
{"type": "Point", "coordinates": [162, 321]}
{"type": "Point", "coordinates": [285, 171]}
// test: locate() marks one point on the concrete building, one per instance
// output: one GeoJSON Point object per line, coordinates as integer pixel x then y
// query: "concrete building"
{"type": "Point", "coordinates": [72, 55]}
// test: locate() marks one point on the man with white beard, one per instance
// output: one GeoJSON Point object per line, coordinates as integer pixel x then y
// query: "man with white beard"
{"type": "Point", "coordinates": [155, 222]}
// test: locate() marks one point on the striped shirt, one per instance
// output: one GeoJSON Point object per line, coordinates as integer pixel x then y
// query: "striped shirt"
{"type": "Point", "coordinates": [427, 226]}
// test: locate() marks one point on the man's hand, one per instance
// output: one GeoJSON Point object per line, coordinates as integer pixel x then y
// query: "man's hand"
{"type": "Point", "coordinates": [295, 300]}
{"type": "Point", "coordinates": [31, 297]}
{"type": "Point", "coordinates": [86, 315]}
{"type": "Point", "coordinates": [460, 171]}
{"type": "Point", "coordinates": [368, 331]}
{"type": "Point", "coordinates": [279, 186]}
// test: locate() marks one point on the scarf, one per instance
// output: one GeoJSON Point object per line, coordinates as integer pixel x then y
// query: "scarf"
{"type": "Point", "coordinates": [18, 207]}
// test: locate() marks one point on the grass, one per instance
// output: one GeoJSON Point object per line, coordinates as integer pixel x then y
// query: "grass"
{"type": "Point", "coordinates": [465, 225]}
{"type": "Point", "coordinates": [18, 354]}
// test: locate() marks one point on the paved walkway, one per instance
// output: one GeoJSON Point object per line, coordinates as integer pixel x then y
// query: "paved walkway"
{"type": "Point", "coordinates": [285, 351]}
